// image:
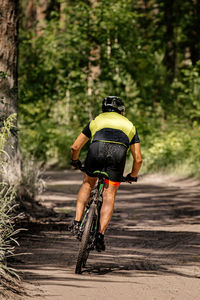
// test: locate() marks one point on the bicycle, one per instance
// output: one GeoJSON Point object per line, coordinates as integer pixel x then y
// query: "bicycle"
{"type": "Point", "coordinates": [91, 217]}
{"type": "Point", "coordinates": [90, 222]}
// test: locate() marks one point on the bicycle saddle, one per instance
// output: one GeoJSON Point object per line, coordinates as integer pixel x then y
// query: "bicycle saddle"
{"type": "Point", "coordinates": [101, 174]}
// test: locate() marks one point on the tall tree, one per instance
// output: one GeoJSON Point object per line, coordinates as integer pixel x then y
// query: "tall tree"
{"type": "Point", "coordinates": [63, 6]}
{"type": "Point", "coordinates": [8, 63]}
{"type": "Point", "coordinates": [41, 11]}
{"type": "Point", "coordinates": [170, 53]}
{"type": "Point", "coordinates": [30, 14]}
{"type": "Point", "coordinates": [192, 28]}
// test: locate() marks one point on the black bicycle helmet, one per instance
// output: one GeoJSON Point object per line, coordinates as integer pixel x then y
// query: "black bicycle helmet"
{"type": "Point", "coordinates": [113, 103]}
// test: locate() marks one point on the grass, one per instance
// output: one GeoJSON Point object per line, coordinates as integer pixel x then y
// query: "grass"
{"type": "Point", "coordinates": [16, 183]}
{"type": "Point", "coordinates": [7, 204]}
{"type": "Point", "coordinates": [7, 231]}
{"type": "Point", "coordinates": [11, 182]}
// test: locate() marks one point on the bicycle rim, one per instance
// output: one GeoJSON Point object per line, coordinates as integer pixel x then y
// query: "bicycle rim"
{"type": "Point", "coordinates": [83, 251]}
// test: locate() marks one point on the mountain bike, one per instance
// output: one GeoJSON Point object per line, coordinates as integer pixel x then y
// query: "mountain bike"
{"type": "Point", "coordinates": [89, 226]}
{"type": "Point", "coordinates": [90, 222]}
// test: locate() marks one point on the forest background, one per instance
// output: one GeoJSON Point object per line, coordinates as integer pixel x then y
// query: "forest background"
{"type": "Point", "coordinates": [74, 53]}
{"type": "Point", "coordinates": [66, 57]}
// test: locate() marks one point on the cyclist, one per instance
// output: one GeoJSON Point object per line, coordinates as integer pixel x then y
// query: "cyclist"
{"type": "Point", "coordinates": [111, 135]}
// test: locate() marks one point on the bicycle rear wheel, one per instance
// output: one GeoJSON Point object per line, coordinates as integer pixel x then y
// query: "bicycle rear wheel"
{"type": "Point", "coordinates": [83, 249]}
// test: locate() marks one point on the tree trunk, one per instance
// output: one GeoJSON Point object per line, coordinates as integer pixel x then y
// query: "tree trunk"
{"type": "Point", "coordinates": [8, 69]}
{"type": "Point", "coordinates": [8, 57]}
{"type": "Point", "coordinates": [93, 65]}
{"type": "Point", "coordinates": [31, 14]}
{"type": "Point", "coordinates": [63, 19]}
{"type": "Point", "coordinates": [42, 6]}
{"type": "Point", "coordinates": [170, 52]}
{"type": "Point", "coordinates": [194, 36]}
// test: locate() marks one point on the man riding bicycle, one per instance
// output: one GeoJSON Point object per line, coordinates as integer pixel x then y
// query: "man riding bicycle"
{"type": "Point", "coordinates": [111, 135]}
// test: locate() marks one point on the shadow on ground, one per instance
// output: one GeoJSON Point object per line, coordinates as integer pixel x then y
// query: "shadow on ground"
{"type": "Point", "coordinates": [154, 230]}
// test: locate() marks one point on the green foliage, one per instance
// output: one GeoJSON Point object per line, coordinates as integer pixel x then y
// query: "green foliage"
{"type": "Point", "coordinates": [6, 126]}
{"type": "Point", "coordinates": [175, 150]}
{"type": "Point", "coordinates": [186, 94]}
{"type": "Point", "coordinates": [59, 62]}
{"type": "Point", "coordinates": [3, 75]}
{"type": "Point", "coordinates": [125, 43]}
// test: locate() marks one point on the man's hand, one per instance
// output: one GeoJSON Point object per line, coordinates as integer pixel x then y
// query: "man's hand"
{"type": "Point", "coordinates": [76, 163]}
{"type": "Point", "coordinates": [129, 178]}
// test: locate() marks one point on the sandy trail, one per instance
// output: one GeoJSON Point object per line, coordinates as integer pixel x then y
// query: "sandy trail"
{"type": "Point", "coordinates": [153, 244]}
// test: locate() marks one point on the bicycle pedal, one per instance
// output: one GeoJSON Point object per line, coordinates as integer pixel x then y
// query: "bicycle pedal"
{"type": "Point", "coordinates": [91, 247]}
{"type": "Point", "coordinates": [79, 236]}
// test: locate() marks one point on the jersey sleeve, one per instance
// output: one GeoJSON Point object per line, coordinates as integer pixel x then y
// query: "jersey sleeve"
{"type": "Point", "coordinates": [135, 139]}
{"type": "Point", "coordinates": [86, 131]}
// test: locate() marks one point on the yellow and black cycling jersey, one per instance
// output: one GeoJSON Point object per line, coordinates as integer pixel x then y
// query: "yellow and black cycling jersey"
{"type": "Point", "coordinates": [112, 127]}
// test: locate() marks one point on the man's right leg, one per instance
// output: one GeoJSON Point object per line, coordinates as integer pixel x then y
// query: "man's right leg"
{"type": "Point", "coordinates": [109, 194]}
{"type": "Point", "coordinates": [107, 208]}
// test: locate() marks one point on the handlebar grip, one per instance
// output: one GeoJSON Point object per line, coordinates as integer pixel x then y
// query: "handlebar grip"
{"type": "Point", "coordinates": [82, 169]}
{"type": "Point", "coordinates": [124, 180]}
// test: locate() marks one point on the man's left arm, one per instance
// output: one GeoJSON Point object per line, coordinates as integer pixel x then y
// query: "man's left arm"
{"type": "Point", "coordinates": [137, 159]}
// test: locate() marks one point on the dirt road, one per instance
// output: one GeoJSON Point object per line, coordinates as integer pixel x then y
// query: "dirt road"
{"type": "Point", "coordinates": [153, 244]}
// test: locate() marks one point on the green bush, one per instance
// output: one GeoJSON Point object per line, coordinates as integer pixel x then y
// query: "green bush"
{"type": "Point", "coordinates": [175, 150]}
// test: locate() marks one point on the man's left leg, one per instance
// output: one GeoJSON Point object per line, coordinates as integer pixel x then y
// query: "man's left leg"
{"type": "Point", "coordinates": [83, 195]}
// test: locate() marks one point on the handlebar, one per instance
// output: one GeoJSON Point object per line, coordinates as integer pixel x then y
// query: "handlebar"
{"type": "Point", "coordinates": [82, 169]}
{"type": "Point", "coordinates": [124, 180]}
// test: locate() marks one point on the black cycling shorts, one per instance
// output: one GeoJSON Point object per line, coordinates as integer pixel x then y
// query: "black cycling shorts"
{"type": "Point", "coordinates": [108, 156]}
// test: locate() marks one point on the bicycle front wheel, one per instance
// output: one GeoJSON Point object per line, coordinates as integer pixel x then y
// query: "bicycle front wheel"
{"type": "Point", "coordinates": [83, 249]}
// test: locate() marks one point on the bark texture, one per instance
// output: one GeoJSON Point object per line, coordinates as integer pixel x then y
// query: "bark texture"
{"type": "Point", "coordinates": [31, 14]}
{"type": "Point", "coordinates": [8, 68]}
{"type": "Point", "coordinates": [41, 11]}
{"type": "Point", "coordinates": [170, 53]}
{"type": "Point", "coordinates": [8, 56]}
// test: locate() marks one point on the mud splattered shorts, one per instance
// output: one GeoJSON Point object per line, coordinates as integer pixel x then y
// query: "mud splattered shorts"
{"type": "Point", "coordinates": [108, 156]}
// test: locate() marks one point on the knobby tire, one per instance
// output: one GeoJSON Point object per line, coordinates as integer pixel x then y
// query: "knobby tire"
{"type": "Point", "coordinates": [83, 251]}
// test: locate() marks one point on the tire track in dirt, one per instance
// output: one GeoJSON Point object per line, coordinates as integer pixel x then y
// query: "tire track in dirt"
{"type": "Point", "coordinates": [153, 244]}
